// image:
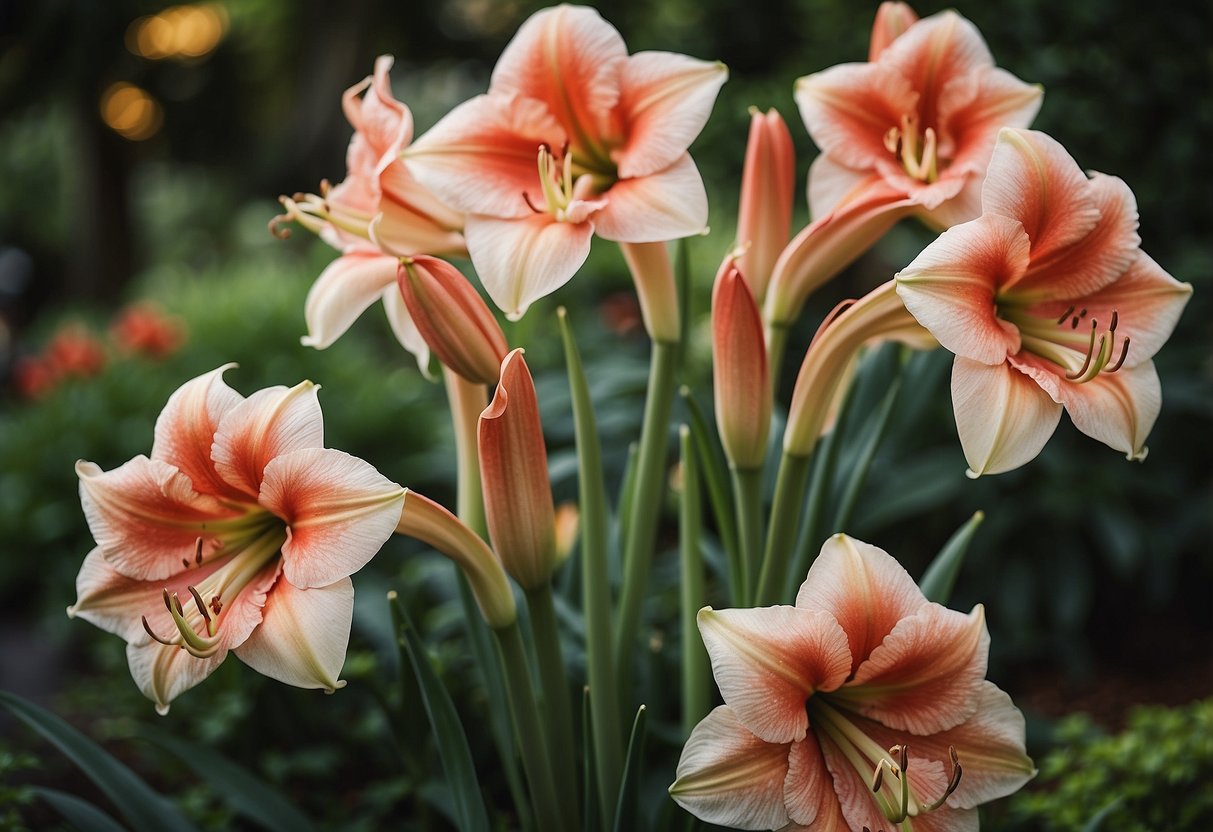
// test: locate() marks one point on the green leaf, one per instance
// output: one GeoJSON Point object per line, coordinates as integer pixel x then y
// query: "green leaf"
{"type": "Point", "coordinates": [696, 669]}
{"type": "Point", "coordinates": [448, 730]}
{"type": "Point", "coordinates": [879, 423]}
{"type": "Point", "coordinates": [714, 471]}
{"type": "Point", "coordinates": [81, 814]}
{"type": "Point", "coordinates": [591, 822]}
{"type": "Point", "coordinates": [940, 577]}
{"type": "Point", "coordinates": [627, 810]}
{"type": "Point", "coordinates": [245, 793]}
{"type": "Point", "coordinates": [1095, 824]}
{"type": "Point", "coordinates": [143, 808]}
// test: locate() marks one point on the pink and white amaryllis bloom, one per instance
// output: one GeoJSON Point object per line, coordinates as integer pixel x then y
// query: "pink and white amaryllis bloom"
{"type": "Point", "coordinates": [377, 214]}
{"type": "Point", "coordinates": [907, 133]}
{"type": "Point", "coordinates": [1047, 302]}
{"type": "Point", "coordinates": [239, 533]}
{"type": "Point", "coordinates": [574, 137]}
{"type": "Point", "coordinates": [862, 706]}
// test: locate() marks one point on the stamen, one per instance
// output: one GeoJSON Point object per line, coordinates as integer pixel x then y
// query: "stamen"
{"type": "Point", "coordinates": [1115, 318]}
{"type": "Point", "coordinates": [216, 604]}
{"type": "Point", "coordinates": [527, 198]}
{"type": "Point", "coordinates": [902, 753]}
{"type": "Point", "coordinates": [1083, 313]}
{"type": "Point", "coordinates": [891, 139]}
{"type": "Point", "coordinates": [148, 629]}
{"type": "Point", "coordinates": [197, 551]}
{"type": "Point", "coordinates": [185, 562]}
{"type": "Point", "coordinates": [1090, 355]}
{"type": "Point", "coordinates": [877, 777]}
{"type": "Point", "coordinates": [1065, 315]}
{"type": "Point", "coordinates": [953, 781]}
{"type": "Point", "coordinates": [1074, 323]}
{"type": "Point", "coordinates": [1124, 353]}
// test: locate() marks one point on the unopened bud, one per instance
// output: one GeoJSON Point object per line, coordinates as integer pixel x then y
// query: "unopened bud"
{"type": "Point", "coordinates": [768, 183]}
{"type": "Point", "coordinates": [740, 375]}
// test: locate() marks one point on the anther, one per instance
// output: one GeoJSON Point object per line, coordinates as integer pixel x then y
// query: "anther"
{"type": "Point", "coordinates": [216, 604]}
{"type": "Point", "coordinates": [185, 562]}
{"type": "Point", "coordinates": [1115, 318]}
{"type": "Point", "coordinates": [197, 552]}
{"type": "Point", "coordinates": [1065, 315]}
{"type": "Point", "coordinates": [529, 204]}
{"type": "Point", "coordinates": [200, 604]}
{"type": "Point", "coordinates": [878, 778]}
{"type": "Point", "coordinates": [1074, 323]}
{"type": "Point", "coordinates": [1090, 355]}
{"type": "Point", "coordinates": [148, 629]}
{"type": "Point", "coordinates": [1083, 313]}
{"type": "Point", "coordinates": [902, 753]}
{"type": "Point", "coordinates": [1124, 353]}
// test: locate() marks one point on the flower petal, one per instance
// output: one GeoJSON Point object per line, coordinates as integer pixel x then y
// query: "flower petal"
{"type": "Point", "coordinates": [483, 155]}
{"type": "Point", "coordinates": [146, 516]}
{"type": "Point", "coordinates": [863, 588]}
{"type": "Point", "coordinates": [1096, 260]}
{"type": "Point", "coordinates": [1003, 417]}
{"type": "Point", "coordinates": [1031, 178]}
{"type": "Point", "coordinates": [926, 675]}
{"type": "Point", "coordinates": [728, 776]}
{"type": "Point", "coordinates": [386, 123]}
{"type": "Point", "coordinates": [849, 108]}
{"type": "Point", "coordinates": [569, 58]}
{"type": "Point", "coordinates": [1119, 409]}
{"type": "Point", "coordinates": [339, 512]}
{"type": "Point", "coordinates": [973, 108]}
{"type": "Point", "coordinates": [950, 288]}
{"type": "Point", "coordinates": [663, 206]}
{"type": "Point", "coordinates": [665, 99]}
{"type": "Point", "coordinates": [853, 792]}
{"type": "Point", "coordinates": [303, 635]}
{"type": "Point", "coordinates": [768, 661]}
{"type": "Point", "coordinates": [403, 326]}
{"type": "Point", "coordinates": [186, 427]}
{"type": "Point", "coordinates": [522, 260]}
{"type": "Point", "coordinates": [831, 183]}
{"type": "Point", "coordinates": [344, 290]}
{"type": "Point", "coordinates": [269, 423]}
{"type": "Point", "coordinates": [808, 791]}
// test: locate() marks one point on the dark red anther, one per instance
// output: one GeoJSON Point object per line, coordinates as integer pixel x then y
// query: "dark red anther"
{"type": "Point", "coordinates": [529, 204]}
{"type": "Point", "coordinates": [1124, 353]}
{"type": "Point", "coordinates": [1115, 318]}
{"type": "Point", "coordinates": [1065, 315]}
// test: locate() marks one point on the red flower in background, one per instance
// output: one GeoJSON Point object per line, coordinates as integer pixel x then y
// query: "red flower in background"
{"type": "Point", "coordinates": [143, 327]}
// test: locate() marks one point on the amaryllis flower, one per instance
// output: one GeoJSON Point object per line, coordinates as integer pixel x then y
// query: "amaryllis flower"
{"type": "Point", "coordinates": [377, 214]}
{"type": "Point", "coordinates": [1048, 302]}
{"type": "Point", "coordinates": [574, 137]}
{"type": "Point", "coordinates": [908, 132]}
{"type": "Point", "coordinates": [239, 533]}
{"type": "Point", "coordinates": [862, 706]}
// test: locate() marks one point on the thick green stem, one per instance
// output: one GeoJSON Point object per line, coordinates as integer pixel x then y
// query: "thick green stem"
{"type": "Point", "coordinates": [819, 492]}
{"type": "Point", "coordinates": [781, 536]}
{"type": "Point", "coordinates": [696, 671]}
{"type": "Point", "coordinates": [747, 504]}
{"type": "Point", "coordinates": [646, 501]}
{"type": "Point", "coordinates": [596, 588]}
{"type": "Point", "coordinates": [559, 714]}
{"type": "Point", "coordinates": [777, 341]}
{"type": "Point", "coordinates": [532, 742]}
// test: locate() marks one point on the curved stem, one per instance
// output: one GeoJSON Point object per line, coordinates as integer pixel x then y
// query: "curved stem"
{"type": "Point", "coordinates": [645, 504]}
{"type": "Point", "coordinates": [747, 503]}
{"type": "Point", "coordinates": [468, 400]}
{"type": "Point", "coordinates": [786, 508]}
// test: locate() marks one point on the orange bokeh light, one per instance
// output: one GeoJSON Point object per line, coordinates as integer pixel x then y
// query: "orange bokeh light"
{"type": "Point", "coordinates": [130, 112]}
{"type": "Point", "coordinates": [180, 32]}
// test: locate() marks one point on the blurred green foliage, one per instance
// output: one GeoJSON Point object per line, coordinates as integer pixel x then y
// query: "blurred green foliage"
{"type": "Point", "coordinates": [1156, 774]}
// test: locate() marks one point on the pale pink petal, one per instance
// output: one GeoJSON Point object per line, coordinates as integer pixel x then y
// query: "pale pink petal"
{"type": "Point", "coordinates": [1147, 302]}
{"type": "Point", "coordinates": [1118, 409]}
{"type": "Point", "coordinates": [522, 260]}
{"type": "Point", "coordinates": [727, 776]}
{"type": "Point", "coordinates": [1096, 260]}
{"type": "Point", "coordinates": [411, 220]}
{"type": "Point", "coordinates": [808, 791]}
{"type": "Point", "coordinates": [186, 427]}
{"type": "Point", "coordinates": [569, 58]}
{"type": "Point", "coordinates": [344, 290]}
{"type": "Point", "coordinates": [849, 108]}
{"type": "Point", "coordinates": [963, 207]}
{"type": "Point", "coordinates": [483, 155]}
{"type": "Point", "coordinates": [339, 511]}
{"type": "Point", "coordinates": [950, 288]}
{"type": "Point", "coordinates": [663, 206]}
{"type": "Point", "coordinates": [767, 662]}
{"type": "Point", "coordinates": [386, 123]}
{"type": "Point", "coordinates": [1003, 417]}
{"type": "Point", "coordinates": [108, 599]}
{"type": "Point", "coordinates": [973, 108]}
{"type": "Point", "coordinates": [665, 100]}
{"type": "Point", "coordinates": [926, 675]}
{"type": "Point", "coordinates": [163, 672]}
{"type": "Point", "coordinates": [831, 183]}
{"type": "Point", "coordinates": [933, 52]}
{"type": "Point", "coordinates": [863, 588]}
{"type": "Point", "coordinates": [852, 790]}
{"type": "Point", "coordinates": [948, 819]}
{"type": "Point", "coordinates": [1031, 178]}
{"type": "Point", "coordinates": [398, 185]}
{"type": "Point", "coordinates": [269, 423]}
{"type": "Point", "coordinates": [892, 21]}
{"type": "Point", "coordinates": [303, 635]}
{"type": "Point", "coordinates": [404, 328]}
{"type": "Point", "coordinates": [146, 516]}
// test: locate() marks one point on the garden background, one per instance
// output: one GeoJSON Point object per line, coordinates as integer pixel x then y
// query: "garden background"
{"type": "Point", "coordinates": [1096, 573]}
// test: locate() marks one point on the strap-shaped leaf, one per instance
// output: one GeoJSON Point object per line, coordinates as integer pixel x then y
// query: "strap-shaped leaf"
{"type": "Point", "coordinates": [627, 811]}
{"type": "Point", "coordinates": [940, 577]}
{"type": "Point", "coordinates": [144, 809]}
{"type": "Point", "coordinates": [80, 814]}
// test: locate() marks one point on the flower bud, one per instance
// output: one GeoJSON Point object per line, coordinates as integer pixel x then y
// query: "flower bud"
{"type": "Point", "coordinates": [740, 374]}
{"type": "Point", "coordinates": [653, 274]}
{"type": "Point", "coordinates": [514, 474]}
{"type": "Point", "coordinates": [768, 182]}
{"type": "Point", "coordinates": [425, 520]}
{"type": "Point", "coordinates": [892, 19]}
{"type": "Point", "coordinates": [452, 318]}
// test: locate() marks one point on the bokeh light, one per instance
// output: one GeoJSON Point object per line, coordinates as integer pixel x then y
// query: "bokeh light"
{"type": "Point", "coordinates": [180, 32]}
{"type": "Point", "coordinates": [130, 112]}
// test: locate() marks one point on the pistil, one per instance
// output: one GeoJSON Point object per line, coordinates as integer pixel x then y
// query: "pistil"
{"type": "Point", "coordinates": [920, 163]}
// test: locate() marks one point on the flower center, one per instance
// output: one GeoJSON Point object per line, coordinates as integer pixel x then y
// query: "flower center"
{"type": "Point", "coordinates": [886, 770]}
{"type": "Point", "coordinates": [564, 182]}
{"type": "Point", "coordinates": [314, 212]}
{"type": "Point", "coordinates": [917, 151]}
{"type": "Point", "coordinates": [1073, 341]}
{"type": "Point", "coordinates": [198, 623]}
